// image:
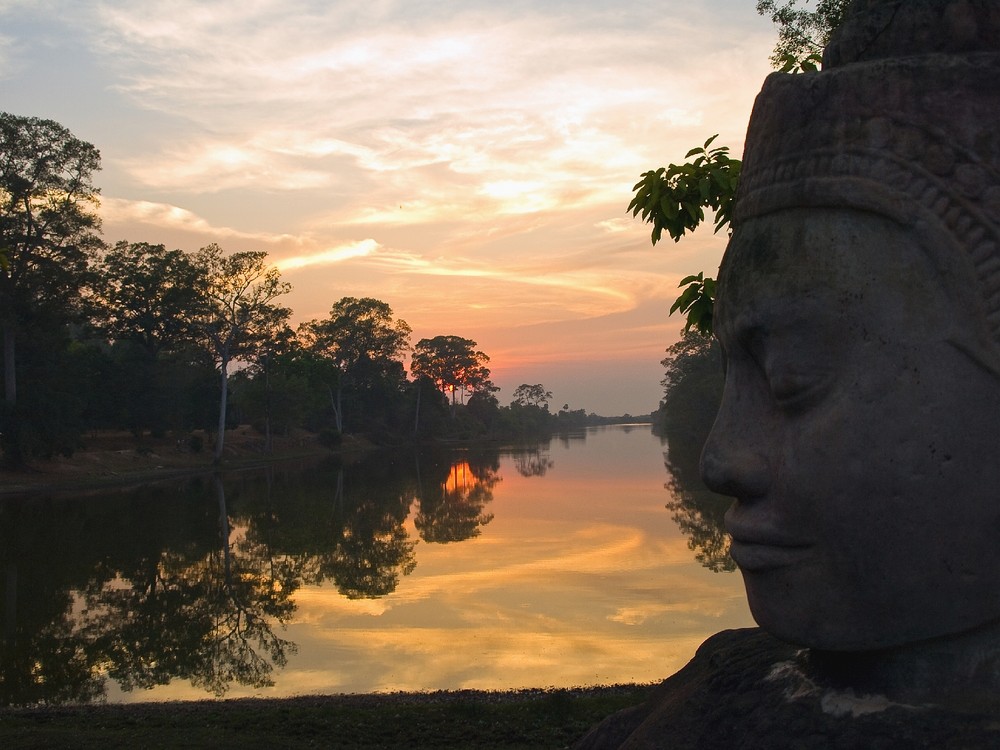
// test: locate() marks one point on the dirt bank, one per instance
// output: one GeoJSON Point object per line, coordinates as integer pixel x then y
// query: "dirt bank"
{"type": "Point", "coordinates": [119, 458]}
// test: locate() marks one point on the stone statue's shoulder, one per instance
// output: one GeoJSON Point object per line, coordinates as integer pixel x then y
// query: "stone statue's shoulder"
{"type": "Point", "coordinates": [746, 689]}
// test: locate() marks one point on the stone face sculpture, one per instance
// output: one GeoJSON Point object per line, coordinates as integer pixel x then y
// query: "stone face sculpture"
{"type": "Point", "coordinates": [859, 309]}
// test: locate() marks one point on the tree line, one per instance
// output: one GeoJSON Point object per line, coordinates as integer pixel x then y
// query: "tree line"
{"type": "Point", "coordinates": [153, 340]}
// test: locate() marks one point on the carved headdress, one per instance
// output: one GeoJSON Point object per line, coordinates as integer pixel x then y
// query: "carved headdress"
{"type": "Point", "coordinates": [903, 120]}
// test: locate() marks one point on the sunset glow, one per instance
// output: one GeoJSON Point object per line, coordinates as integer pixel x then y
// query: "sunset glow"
{"type": "Point", "coordinates": [468, 163]}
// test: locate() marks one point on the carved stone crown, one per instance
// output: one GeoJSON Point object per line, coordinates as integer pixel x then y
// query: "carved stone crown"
{"type": "Point", "coordinates": [904, 121]}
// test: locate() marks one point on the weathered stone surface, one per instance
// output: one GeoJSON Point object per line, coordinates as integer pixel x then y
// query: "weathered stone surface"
{"type": "Point", "coordinates": [859, 309]}
{"type": "Point", "coordinates": [859, 431]}
{"type": "Point", "coordinates": [746, 690]}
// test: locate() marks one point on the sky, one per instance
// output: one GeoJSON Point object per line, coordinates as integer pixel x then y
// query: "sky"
{"type": "Point", "coordinates": [469, 163]}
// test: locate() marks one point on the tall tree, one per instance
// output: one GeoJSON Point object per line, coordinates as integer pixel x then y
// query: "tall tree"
{"type": "Point", "coordinates": [532, 395]}
{"type": "Point", "coordinates": [49, 227]}
{"type": "Point", "coordinates": [236, 312]}
{"type": "Point", "coordinates": [363, 342]}
{"type": "Point", "coordinates": [146, 294]}
{"type": "Point", "coordinates": [452, 362]}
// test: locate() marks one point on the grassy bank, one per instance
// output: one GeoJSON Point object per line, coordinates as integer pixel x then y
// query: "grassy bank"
{"type": "Point", "coordinates": [465, 719]}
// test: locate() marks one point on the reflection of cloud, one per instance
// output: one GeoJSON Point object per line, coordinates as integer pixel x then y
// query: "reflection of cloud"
{"type": "Point", "coordinates": [317, 603]}
{"type": "Point", "coordinates": [637, 614]}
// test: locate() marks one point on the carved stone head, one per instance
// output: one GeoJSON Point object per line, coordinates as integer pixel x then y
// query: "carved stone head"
{"type": "Point", "coordinates": [859, 310]}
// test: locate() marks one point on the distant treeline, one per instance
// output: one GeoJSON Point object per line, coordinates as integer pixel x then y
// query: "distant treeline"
{"type": "Point", "coordinates": [140, 337]}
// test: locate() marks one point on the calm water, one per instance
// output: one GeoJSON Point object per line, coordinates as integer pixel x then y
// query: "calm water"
{"type": "Point", "coordinates": [581, 561]}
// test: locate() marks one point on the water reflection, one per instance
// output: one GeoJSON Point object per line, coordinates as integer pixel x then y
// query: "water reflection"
{"type": "Point", "coordinates": [196, 580]}
{"type": "Point", "coordinates": [696, 510]}
{"type": "Point", "coordinates": [199, 581]}
{"type": "Point", "coordinates": [533, 462]}
{"type": "Point", "coordinates": [453, 510]}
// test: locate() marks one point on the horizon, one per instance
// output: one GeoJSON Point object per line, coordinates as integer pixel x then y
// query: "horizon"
{"type": "Point", "coordinates": [467, 164]}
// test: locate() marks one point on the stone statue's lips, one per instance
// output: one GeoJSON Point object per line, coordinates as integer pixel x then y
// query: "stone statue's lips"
{"type": "Point", "coordinates": [759, 549]}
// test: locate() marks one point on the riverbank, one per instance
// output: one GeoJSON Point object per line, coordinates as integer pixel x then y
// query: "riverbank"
{"type": "Point", "coordinates": [117, 458]}
{"type": "Point", "coordinates": [486, 720]}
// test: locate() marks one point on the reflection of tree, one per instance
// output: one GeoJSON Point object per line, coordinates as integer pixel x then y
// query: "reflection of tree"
{"type": "Point", "coordinates": [191, 580]}
{"type": "Point", "coordinates": [206, 619]}
{"type": "Point", "coordinates": [453, 511]}
{"type": "Point", "coordinates": [50, 549]}
{"type": "Point", "coordinates": [345, 523]}
{"type": "Point", "coordinates": [372, 549]}
{"type": "Point", "coordinates": [532, 463]}
{"type": "Point", "coordinates": [48, 664]}
{"type": "Point", "coordinates": [692, 389]}
{"type": "Point", "coordinates": [698, 513]}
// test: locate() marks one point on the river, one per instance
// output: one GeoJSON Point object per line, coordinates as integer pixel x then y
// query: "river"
{"type": "Point", "coordinates": [581, 561]}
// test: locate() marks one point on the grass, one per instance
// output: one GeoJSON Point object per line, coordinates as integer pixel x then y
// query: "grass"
{"type": "Point", "coordinates": [533, 719]}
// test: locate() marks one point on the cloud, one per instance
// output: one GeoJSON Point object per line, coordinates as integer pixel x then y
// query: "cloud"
{"type": "Point", "coordinates": [163, 215]}
{"type": "Point", "coordinates": [517, 108]}
{"type": "Point", "coordinates": [330, 256]}
{"type": "Point", "coordinates": [467, 162]}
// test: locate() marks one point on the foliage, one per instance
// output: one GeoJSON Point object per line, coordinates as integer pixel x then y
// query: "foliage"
{"type": "Point", "coordinates": [697, 301]}
{"type": "Point", "coordinates": [235, 315]}
{"type": "Point", "coordinates": [48, 212]}
{"type": "Point", "coordinates": [359, 330]}
{"type": "Point", "coordinates": [675, 197]}
{"type": "Point", "coordinates": [692, 387]}
{"type": "Point", "coordinates": [361, 346]}
{"type": "Point", "coordinates": [802, 34]}
{"type": "Point", "coordinates": [532, 395]}
{"type": "Point", "coordinates": [146, 294]}
{"type": "Point", "coordinates": [48, 231]}
{"type": "Point", "coordinates": [452, 363]}
{"type": "Point", "coordinates": [148, 339]}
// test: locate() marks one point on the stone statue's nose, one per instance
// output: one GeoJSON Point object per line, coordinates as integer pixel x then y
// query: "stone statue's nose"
{"type": "Point", "coordinates": [731, 465]}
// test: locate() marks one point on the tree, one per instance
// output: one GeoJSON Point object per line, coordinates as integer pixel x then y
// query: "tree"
{"type": "Point", "coordinates": [235, 313]}
{"type": "Point", "coordinates": [675, 197]}
{"type": "Point", "coordinates": [802, 34]}
{"type": "Point", "coordinates": [146, 294]}
{"type": "Point", "coordinates": [364, 343]}
{"type": "Point", "coordinates": [531, 395]}
{"type": "Point", "coordinates": [452, 362]}
{"type": "Point", "coordinates": [48, 230]}
{"type": "Point", "coordinates": [143, 299]}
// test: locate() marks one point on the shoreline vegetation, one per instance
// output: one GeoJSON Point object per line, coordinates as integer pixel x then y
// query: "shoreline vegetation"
{"type": "Point", "coordinates": [110, 458]}
{"type": "Point", "coordinates": [486, 720]}
{"type": "Point", "coordinates": [119, 459]}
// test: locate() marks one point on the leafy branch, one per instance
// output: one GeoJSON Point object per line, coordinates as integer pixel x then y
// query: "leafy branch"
{"type": "Point", "coordinates": [675, 197]}
{"type": "Point", "coordinates": [697, 301]}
